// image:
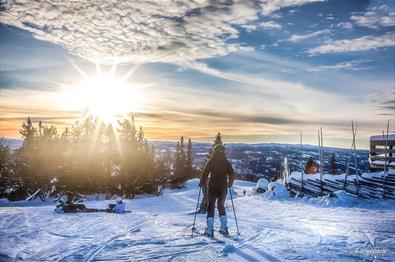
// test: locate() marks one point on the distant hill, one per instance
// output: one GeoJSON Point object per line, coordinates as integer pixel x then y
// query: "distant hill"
{"type": "Point", "coordinates": [256, 160]}
{"type": "Point", "coordinates": [13, 143]}
{"type": "Point", "coordinates": [263, 159]}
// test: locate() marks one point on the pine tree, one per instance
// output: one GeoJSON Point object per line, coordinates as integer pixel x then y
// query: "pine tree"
{"type": "Point", "coordinates": [7, 176]}
{"type": "Point", "coordinates": [50, 157]}
{"type": "Point", "coordinates": [88, 127]}
{"type": "Point", "coordinates": [180, 164]}
{"type": "Point", "coordinates": [111, 159]}
{"type": "Point", "coordinates": [217, 141]}
{"type": "Point", "coordinates": [128, 139]}
{"type": "Point", "coordinates": [189, 161]}
{"type": "Point", "coordinates": [27, 161]}
{"type": "Point", "coordinates": [177, 166]}
{"type": "Point", "coordinates": [140, 135]}
{"type": "Point", "coordinates": [183, 175]}
{"type": "Point", "coordinates": [182, 152]}
{"type": "Point", "coordinates": [28, 132]}
{"type": "Point", "coordinates": [83, 159]}
{"type": "Point", "coordinates": [76, 132]}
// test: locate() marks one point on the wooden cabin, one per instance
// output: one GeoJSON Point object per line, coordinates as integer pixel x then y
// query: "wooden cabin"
{"type": "Point", "coordinates": [382, 152]}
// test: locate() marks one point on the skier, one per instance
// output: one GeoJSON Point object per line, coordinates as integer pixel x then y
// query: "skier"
{"type": "Point", "coordinates": [119, 207]}
{"type": "Point", "coordinates": [221, 177]}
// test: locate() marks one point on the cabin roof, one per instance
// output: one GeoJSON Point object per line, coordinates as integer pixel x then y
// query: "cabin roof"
{"type": "Point", "coordinates": [391, 138]}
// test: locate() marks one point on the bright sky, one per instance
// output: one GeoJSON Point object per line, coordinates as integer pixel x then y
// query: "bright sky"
{"type": "Point", "coordinates": [256, 71]}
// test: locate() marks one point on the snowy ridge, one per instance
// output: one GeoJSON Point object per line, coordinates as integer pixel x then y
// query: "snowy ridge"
{"type": "Point", "coordinates": [159, 229]}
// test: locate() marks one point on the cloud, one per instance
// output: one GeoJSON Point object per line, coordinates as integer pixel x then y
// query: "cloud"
{"type": "Point", "coordinates": [388, 105]}
{"type": "Point", "coordinates": [270, 6]}
{"type": "Point", "coordinates": [363, 43]}
{"type": "Point", "coordinates": [141, 31]}
{"type": "Point", "coordinates": [270, 25]}
{"type": "Point", "coordinates": [353, 65]}
{"type": "Point", "coordinates": [299, 38]}
{"type": "Point", "coordinates": [269, 84]}
{"type": "Point", "coordinates": [249, 28]}
{"type": "Point", "coordinates": [345, 25]}
{"type": "Point", "coordinates": [374, 19]}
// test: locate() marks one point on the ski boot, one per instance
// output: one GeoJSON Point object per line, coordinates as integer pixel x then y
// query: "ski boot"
{"type": "Point", "coordinates": [210, 227]}
{"type": "Point", "coordinates": [224, 226]}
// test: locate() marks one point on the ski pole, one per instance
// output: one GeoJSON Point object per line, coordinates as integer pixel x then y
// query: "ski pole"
{"type": "Point", "coordinates": [197, 206]}
{"type": "Point", "coordinates": [234, 212]}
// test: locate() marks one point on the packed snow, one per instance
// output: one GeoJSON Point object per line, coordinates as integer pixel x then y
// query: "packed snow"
{"type": "Point", "coordinates": [342, 228]}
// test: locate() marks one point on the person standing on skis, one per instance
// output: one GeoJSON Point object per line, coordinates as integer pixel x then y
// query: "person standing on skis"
{"type": "Point", "coordinates": [220, 175]}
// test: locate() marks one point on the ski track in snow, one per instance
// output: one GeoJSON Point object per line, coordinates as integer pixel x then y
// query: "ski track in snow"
{"type": "Point", "coordinates": [159, 229]}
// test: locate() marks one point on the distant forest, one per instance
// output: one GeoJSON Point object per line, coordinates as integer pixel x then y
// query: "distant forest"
{"type": "Point", "coordinates": [90, 157]}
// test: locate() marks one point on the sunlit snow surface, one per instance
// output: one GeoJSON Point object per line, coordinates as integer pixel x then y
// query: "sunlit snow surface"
{"type": "Point", "coordinates": [159, 228]}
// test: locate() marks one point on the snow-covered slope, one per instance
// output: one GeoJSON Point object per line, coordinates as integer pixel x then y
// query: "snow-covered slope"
{"type": "Point", "coordinates": [159, 228]}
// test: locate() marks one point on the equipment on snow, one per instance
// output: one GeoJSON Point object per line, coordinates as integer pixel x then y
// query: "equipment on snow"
{"type": "Point", "coordinates": [215, 240]}
{"type": "Point", "coordinates": [197, 206]}
{"type": "Point", "coordinates": [234, 212]}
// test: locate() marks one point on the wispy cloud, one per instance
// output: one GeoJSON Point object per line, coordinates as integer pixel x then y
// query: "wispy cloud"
{"type": "Point", "coordinates": [345, 25]}
{"type": "Point", "coordinates": [141, 31]}
{"type": "Point", "coordinates": [374, 19]}
{"type": "Point", "coordinates": [353, 45]}
{"type": "Point", "coordinates": [269, 6]}
{"type": "Point", "coordinates": [299, 38]}
{"type": "Point", "coordinates": [354, 65]}
{"type": "Point", "coordinates": [270, 25]}
{"type": "Point", "coordinates": [388, 105]}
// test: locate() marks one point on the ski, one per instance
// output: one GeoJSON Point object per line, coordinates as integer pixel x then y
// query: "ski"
{"type": "Point", "coordinates": [214, 239]}
{"type": "Point", "coordinates": [228, 236]}
{"type": "Point", "coordinates": [90, 210]}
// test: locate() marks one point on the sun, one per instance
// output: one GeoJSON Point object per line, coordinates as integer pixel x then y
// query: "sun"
{"type": "Point", "coordinates": [107, 97]}
{"type": "Point", "coordinates": [103, 96]}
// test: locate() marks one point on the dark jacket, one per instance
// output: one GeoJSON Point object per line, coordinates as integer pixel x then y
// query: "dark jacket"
{"type": "Point", "coordinates": [70, 197]}
{"type": "Point", "coordinates": [220, 170]}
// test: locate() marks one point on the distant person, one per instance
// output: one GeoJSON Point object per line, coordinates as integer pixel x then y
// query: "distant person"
{"type": "Point", "coordinates": [119, 207]}
{"type": "Point", "coordinates": [312, 167]}
{"type": "Point", "coordinates": [221, 177]}
{"type": "Point", "coordinates": [66, 204]}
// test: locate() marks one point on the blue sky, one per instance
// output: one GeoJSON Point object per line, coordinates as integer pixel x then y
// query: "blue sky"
{"type": "Point", "coordinates": [258, 71]}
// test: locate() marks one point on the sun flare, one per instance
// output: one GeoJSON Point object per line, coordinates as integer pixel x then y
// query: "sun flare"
{"type": "Point", "coordinates": [105, 97]}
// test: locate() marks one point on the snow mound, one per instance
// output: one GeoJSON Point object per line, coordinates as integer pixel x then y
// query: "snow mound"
{"type": "Point", "coordinates": [242, 183]}
{"type": "Point", "coordinates": [276, 190]}
{"type": "Point", "coordinates": [192, 183]}
{"type": "Point", "coordinates": [346, 198]}
{"type": "Point", "coordinates": [262, 185]}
